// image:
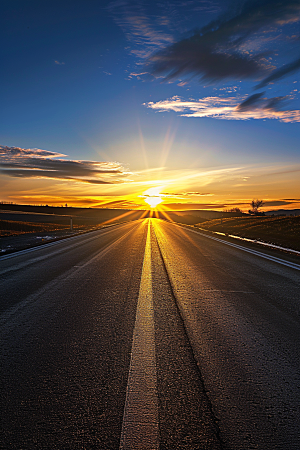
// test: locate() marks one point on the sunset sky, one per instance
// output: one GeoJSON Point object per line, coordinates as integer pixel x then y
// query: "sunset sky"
{"type": "Point", "coordinates": [110, 103]}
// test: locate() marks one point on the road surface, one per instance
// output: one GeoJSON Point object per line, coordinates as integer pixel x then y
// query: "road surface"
{"type": "Point", "coordinates": [149, 335]}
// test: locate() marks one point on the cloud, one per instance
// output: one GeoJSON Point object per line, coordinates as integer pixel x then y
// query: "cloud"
{"type": "Point", "coordinates": [275, 102]}
{"type": "Point", "coordinates": [36, 163]}
{"type": "Point", "coordinates": [187, 206]}
{"type": "Point", "coordinates": [59, 63]}
{"type": "Point", "coordinates": [193, 57]}
{"type": "Point", "coordinates": [152, 26]}
{"type": "Point", "coordinates": [16, 152]}
{"type": "Point", "coordinates": [280, 73]}
{"type": "Point", "coordinates": [183, 194]}
{"type": "Point", "coordinates": [227, 108]}
{"type": "Point", "coordinates": [137, 26]}
{"type": "Point", "coordinates": [218, 51]}
{"type": "Point", "coordinates": [276, 203]}
{"type": "Point", "coordinates": [256, 102]}
{"type": "Point", "coordinates": [250, 102]}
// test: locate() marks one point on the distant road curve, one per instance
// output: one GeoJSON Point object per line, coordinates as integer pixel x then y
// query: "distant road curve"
{"type": "Point", "coordinates": [215, 325]}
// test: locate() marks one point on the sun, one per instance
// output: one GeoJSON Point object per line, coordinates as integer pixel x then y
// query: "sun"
{"type": "Point", "coordinates": [152, 196]}
{"type": "Point", "coordinates": [153, 201]}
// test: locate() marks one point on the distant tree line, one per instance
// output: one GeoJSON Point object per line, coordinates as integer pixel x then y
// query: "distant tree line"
{"type": "Point", "coordinates": [255, 205]}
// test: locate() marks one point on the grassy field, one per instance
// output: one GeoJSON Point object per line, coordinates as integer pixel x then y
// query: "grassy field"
{"type": "Point", "coordinates": [283, 231]}
{"type": "Point", "coordinates": [17, 220]}
{"type": "Point", "coordinates": [15, 228]}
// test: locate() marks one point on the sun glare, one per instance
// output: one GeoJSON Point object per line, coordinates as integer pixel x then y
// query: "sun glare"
{"type": "Point", "coordinates": [153, 201]}
{"type": "Point", "coordinates": [152, 196]}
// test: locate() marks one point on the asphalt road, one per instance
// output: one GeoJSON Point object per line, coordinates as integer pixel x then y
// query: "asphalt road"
{"type": "Point", "coordinates": [149, 335]}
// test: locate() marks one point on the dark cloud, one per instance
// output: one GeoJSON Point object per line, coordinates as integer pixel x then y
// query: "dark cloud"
{"type": "Point", "coordinates": [252, 16]}
{"type": "Point", "coordinates": [280, 73]}
{"type": "Point", "coordinates": [277, 203]}
{"type": "Point", "coordinates": [256, 102]}
{"type": "Point", "coordinates": [275, 103]}
{"type": "Point", "coordinates": [215, 52]}
{"type": "Point", "coordinates": [21, 173]}
{"type": "Point", "coordinates": [197, 57]}
{"type": "Point", "coordinates": [17, 152]}
{"type": "Point", "coordinates": [36, 163]}
{"type": "Point", "coordinates": [185, 206]}
{"type": "Point", "coordinates": [250, 102]}
{"type": "Point", "coordinates": [61, 166]}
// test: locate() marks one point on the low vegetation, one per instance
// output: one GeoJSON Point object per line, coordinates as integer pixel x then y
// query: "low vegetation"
{"type": "Point", "coordinates": [279, 230]}
{"type": "Point", "coordinates": [14, 228]}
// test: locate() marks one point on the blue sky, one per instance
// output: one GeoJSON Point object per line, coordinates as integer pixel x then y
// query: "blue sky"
{"type": "Point", "coordinates": [198, 100]}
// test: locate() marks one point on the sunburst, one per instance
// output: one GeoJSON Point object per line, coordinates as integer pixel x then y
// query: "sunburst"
{"type": "Point", "coordinates": [153, 201]}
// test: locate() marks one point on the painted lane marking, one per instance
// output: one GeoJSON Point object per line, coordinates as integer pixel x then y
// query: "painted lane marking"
{"type": "Point", "coordinates": [254, 252]}
{"type": "Point", "coordinates": [140, 428]}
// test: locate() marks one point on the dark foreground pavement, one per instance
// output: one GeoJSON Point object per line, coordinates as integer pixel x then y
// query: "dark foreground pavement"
{"type": "Point", "coordinates": [148, 326]}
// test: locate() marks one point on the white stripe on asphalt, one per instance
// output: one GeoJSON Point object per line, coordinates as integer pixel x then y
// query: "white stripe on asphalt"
{"type": "Point", "coordinates": [140, 428]}
{"type": "Point", "coordinates": [57, 241]}
{"type": "Point", "coordinates": [254, 252]}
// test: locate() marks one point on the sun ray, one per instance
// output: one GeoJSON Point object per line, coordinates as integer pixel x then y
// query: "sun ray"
{"type": "Point", "coordinates": [143, 148]}
{"type": "Point", "coordinates": [165, 214]}
{"type": "Point", "coordinates": [121, 216]}
{"type": "Point", "coordinates": [167, 145]}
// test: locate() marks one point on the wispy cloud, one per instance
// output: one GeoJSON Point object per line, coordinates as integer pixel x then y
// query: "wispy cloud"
{"type": "Point", "coordinates": [284, 71]}
{"type": "Point", "coordinates": [36, 163]}
{"type": "Point", "coordinates": [138, 26]}
{"type": "Point", "coordinates": [150, 26]}
{"type": "Point", "coordinates": [250, 102]}
{"type": "Point", "coordinates": [252, 40]}
{"type": "Point", "coordinates": [59, 63]}
{"type": "Point", "coordinates": [219, 50]}
{"type": "Point", "coordinates": [186, 194]}
{"type": "Point", "coordinates": [187, 206]}
{"type": "Point", "coordinates": [229, 108]}
{"type": "Point", "coordinates": [10, 153]}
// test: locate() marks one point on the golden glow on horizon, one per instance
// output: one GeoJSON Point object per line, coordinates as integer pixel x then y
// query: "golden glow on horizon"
{"type": "Point", "coordinates": [166, 189]}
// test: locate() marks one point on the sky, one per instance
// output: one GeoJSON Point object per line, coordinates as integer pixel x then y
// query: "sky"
{"type": "Point", "coordinates": [194, 103]}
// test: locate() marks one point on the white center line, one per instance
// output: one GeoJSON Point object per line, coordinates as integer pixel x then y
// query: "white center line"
{"type": "Point", "coordinates": [140, 428]}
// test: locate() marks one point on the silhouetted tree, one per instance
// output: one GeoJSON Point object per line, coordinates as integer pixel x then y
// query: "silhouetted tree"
{"type": "Point", "coordinates": [255, 204]}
